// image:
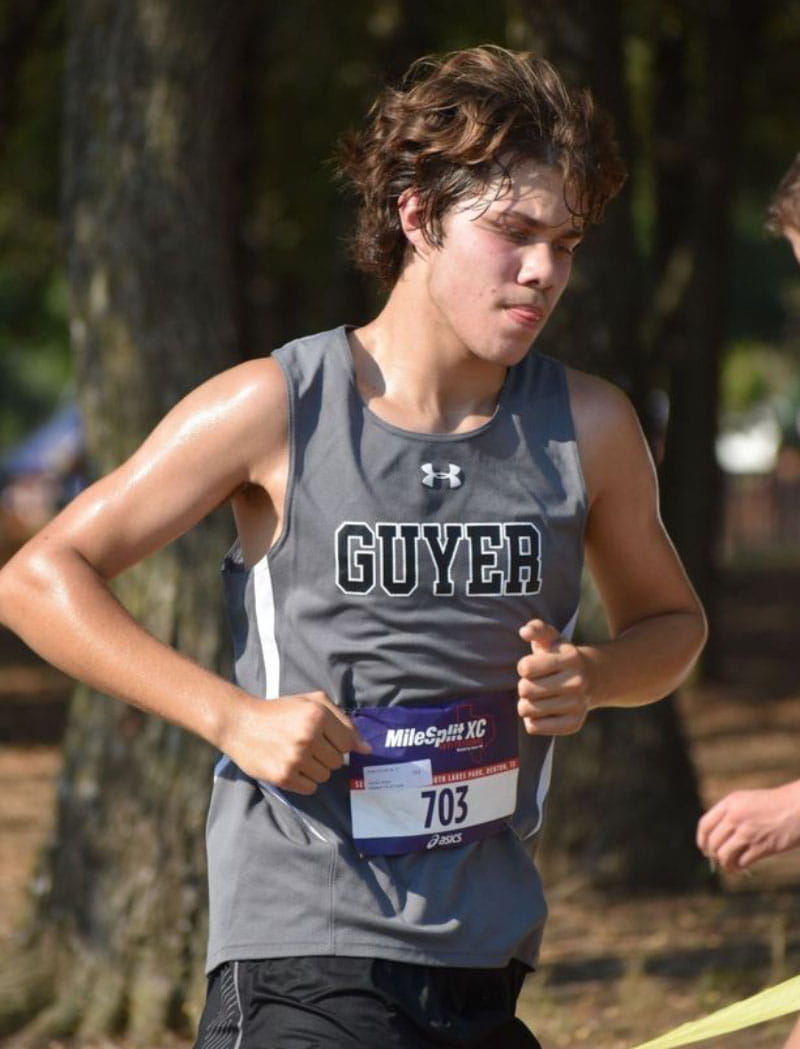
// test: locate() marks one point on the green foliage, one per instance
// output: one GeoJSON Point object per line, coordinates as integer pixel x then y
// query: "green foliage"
{"type": "Point", "coordinates": [34, 349]}
{"type": "Point", "coordinates": [772, 128]}
{"type": "Point", "coordinates": [753, 374]}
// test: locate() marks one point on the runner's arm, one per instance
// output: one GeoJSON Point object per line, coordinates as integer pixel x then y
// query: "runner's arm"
{"type": "Point", "coordinates": [655, 620]}
{"type": "Point", "coordinates": [227, 434]}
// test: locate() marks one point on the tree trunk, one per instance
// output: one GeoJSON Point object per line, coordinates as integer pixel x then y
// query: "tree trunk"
{"type": "Point", "coordinates": [116, 942]}
{"type": "Point", "coordinates": [692, 479]}
{"type": "Point", "coordinates": [610, 824]}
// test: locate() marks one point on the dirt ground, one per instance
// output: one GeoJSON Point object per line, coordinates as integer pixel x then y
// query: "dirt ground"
{"type": "Point", "coordinates": [612, 974]}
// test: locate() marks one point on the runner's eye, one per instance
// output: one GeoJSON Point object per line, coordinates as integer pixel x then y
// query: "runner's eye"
{"type": "Point", "coordinates": [516, 234]}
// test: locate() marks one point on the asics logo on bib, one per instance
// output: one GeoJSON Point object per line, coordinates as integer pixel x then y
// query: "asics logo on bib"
{"type": "Point", "coordinates": [444, 839]}
{"type": "Point", "coordinates": [449, 478]}
{"type": "Point", "coordinates": [492, 559]}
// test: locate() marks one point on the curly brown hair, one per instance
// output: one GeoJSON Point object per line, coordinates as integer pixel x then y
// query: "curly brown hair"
{"type": "Point", "coordinates": [784, 210]}
{"type": "Point", "coordinates": [454, 122]}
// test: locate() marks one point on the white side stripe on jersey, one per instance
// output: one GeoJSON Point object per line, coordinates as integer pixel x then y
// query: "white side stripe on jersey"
{"type": "Point", "coordinates": [265, 624]}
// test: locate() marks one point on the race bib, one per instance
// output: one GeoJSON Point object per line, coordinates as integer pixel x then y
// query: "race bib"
{"type": "Point", "coordinates": [437, 777]}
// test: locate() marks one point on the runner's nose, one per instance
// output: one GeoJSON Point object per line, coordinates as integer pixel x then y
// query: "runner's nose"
{"type": "Point", "coordinates": [538, 265]}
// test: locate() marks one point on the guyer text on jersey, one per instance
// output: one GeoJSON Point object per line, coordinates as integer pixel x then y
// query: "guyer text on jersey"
{"type": "Point", "coordinates": [478, 559]}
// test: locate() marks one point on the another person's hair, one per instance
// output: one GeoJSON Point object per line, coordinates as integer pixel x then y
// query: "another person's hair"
{"type": "Point", "coordinates": [784, 210]}
{"type": "Point", "coordinates": [454, 122]}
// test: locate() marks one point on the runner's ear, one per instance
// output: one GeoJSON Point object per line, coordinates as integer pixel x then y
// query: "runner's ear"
{"type": "Point", "coordinates": [410, 213]}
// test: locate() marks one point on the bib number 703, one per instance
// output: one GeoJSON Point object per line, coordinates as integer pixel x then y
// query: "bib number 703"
{"type": "Point", "coordinates": [449, 804]}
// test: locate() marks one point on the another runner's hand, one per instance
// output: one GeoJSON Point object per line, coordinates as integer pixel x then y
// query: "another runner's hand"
{"type": "Point", "coordinates": [748, 825]}
{"type": "Point", "coordinates": [294, 742]}
{"type": "Point", "coordinates": [553, 686]}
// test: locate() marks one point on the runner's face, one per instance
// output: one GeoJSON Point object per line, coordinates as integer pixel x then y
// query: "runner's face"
{"type": "Point", "coordinates": [503, 264]}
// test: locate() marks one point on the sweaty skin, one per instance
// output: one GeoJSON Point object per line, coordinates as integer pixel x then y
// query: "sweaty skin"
{"type": "Point", "coordinates": [433, 361]}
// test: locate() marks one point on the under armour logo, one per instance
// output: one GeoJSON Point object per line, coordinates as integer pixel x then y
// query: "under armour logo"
{"type": "Point", "coordinates": [449, 478]}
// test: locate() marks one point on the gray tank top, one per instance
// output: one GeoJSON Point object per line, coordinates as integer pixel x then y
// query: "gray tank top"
{"type": "Point", "coordinates": [406, 566]}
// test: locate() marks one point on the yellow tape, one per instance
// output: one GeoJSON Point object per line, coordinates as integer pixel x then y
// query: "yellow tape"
{"type": "Point", "coordinates": [776, 1001]}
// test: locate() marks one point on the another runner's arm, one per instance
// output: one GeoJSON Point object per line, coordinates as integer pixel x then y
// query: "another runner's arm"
{"type": "Point", "coordinates": [226, 435]}
{"type": "Point", "coordinates": [656, 622]}
{"type": "Point", "coordinates": [749, 825]}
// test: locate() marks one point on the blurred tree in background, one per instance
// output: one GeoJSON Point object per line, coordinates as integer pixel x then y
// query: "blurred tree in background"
{"type": "Point", "coordinates": [151, 143]}
{"type": "Point", "coordinates": [202, 224]}
{"type": "Point", "coordinates": [34, 347]}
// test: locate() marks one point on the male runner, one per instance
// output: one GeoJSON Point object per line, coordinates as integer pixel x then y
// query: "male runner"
{"type": "Point", "coordinates": [748, 825]}
{"type": "Point", "coordinates": [414, 499]}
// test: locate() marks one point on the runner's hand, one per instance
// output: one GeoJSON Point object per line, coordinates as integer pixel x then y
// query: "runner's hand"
{"type": "Point", "coordinates": [294, 742]}
{"type": "Point", "coordinates": [553, 686]}
{"type": "Point", "coordinates": [749, 825]}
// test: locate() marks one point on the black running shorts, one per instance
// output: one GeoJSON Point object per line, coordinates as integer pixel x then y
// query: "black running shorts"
{"type": "Point", "coordinates": [361, 1003]}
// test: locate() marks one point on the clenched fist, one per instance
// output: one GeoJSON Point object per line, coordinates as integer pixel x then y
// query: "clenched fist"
{"type": "Point", "coordinates": [553, 687]}
{"type": "Point", "coordinates": [294, 742]}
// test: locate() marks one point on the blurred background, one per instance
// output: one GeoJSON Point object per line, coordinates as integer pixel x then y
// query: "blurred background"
{"type": "Point", "coordinates": [167, 208]}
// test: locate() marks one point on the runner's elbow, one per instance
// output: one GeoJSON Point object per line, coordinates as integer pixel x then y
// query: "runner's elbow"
{"type": "Point", "coordinates": [28, 578]}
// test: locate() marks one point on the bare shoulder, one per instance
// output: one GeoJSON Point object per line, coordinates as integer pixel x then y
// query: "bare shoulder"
{"type": "Point", "coordinates": [254, 389]}
{"type": "Point", "coordinates": [226, 435]}
{"type": "Point", "coordinates": [240, 414]}
{"type": "Point", "coordinates": [595, 402]}
{"type": "Point", "coordinates": [610, 440]}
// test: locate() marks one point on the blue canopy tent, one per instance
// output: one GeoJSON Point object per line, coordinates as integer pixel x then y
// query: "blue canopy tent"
{"type": "Point", "coordinates": [55, 448]}
{"type": "Point", "coordinates": [50, 461]}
